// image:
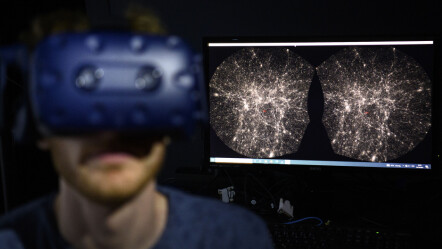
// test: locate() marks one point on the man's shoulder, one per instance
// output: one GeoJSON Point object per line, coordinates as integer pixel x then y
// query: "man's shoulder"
{"type": "Point", "coordinates": [27, 213]}
{"type": "Point", "coordinates": [215, 222]}
{"type": "Point", "coordinates": [31, 223]}
{"type": "Point", "coordinates": [206, 208]}
{"type": "Point", "coordinates": [18, 223]}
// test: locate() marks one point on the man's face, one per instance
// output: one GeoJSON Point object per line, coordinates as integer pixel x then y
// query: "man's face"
{"type": "Point", "coordinates": [106, 167]}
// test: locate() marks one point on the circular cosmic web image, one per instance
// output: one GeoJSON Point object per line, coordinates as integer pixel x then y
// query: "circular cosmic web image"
{"type": "Point", "coordinates": [377, 102]}
{"type": "Point", "coordinates": [258, 101]}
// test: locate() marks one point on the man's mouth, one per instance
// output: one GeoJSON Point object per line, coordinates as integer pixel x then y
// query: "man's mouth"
{"type": "Point", "coordinates": [108, 157]}
{"type": "Point", "coordinates": [112, 157]}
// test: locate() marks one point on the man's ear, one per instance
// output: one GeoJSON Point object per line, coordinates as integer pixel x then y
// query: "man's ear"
{"type": "Point", "coordinates": [43, 144]}
{"type": "Point", "coordinates": [166, 140]}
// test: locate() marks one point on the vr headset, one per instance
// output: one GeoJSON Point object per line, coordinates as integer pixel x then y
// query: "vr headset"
{"type": "Point", "coordinates": [80, 83]}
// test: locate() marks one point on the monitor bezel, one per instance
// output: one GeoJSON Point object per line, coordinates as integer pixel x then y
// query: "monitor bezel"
{"type": "Point", "coordinates": [436, 106]}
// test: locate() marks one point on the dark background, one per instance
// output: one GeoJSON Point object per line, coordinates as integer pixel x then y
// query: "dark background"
{"type": "Point", "coordinates": [362, 198]}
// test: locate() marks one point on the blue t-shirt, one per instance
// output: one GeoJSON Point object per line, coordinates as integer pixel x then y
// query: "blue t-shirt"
{"type": "Point", "coordinates": [193, 223]}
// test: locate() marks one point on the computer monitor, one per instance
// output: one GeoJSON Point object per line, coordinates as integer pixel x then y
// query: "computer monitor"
{"type": "Point", "coordinates": [321, 102]}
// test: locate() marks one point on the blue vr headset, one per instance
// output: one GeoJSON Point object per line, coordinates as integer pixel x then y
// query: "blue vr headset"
{"type": "Point", "coordinates": [87, 82]}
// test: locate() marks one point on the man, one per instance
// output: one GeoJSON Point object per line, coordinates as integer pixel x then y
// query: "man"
{"type": "Point", "coordinates": [108, 198]}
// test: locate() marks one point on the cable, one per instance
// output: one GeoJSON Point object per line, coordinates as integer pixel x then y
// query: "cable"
{"type": "Point", "coordinates": [264, 187]}
{"type": "Point", "coordinates": [208, 184]}
{"type": "Point", "coordinates": [228, 176]}
{"type": "Point", "coordinates": [306, 218]}
{"type": "Point", "coordinates": [3, 179]}
{"type": "Point", "coordinates": [245, 189]}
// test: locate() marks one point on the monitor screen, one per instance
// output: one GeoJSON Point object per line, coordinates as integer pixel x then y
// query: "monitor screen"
{"type": "Point", "coordinates": [341, 103]}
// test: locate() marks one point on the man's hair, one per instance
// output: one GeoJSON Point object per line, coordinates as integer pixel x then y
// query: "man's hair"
{"type": "Point", "coordinates": [52, 23]}
{"type": "Point", "coordinates": [139, 19]}
{"type": "Point", "coordinates": [144, 20]}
